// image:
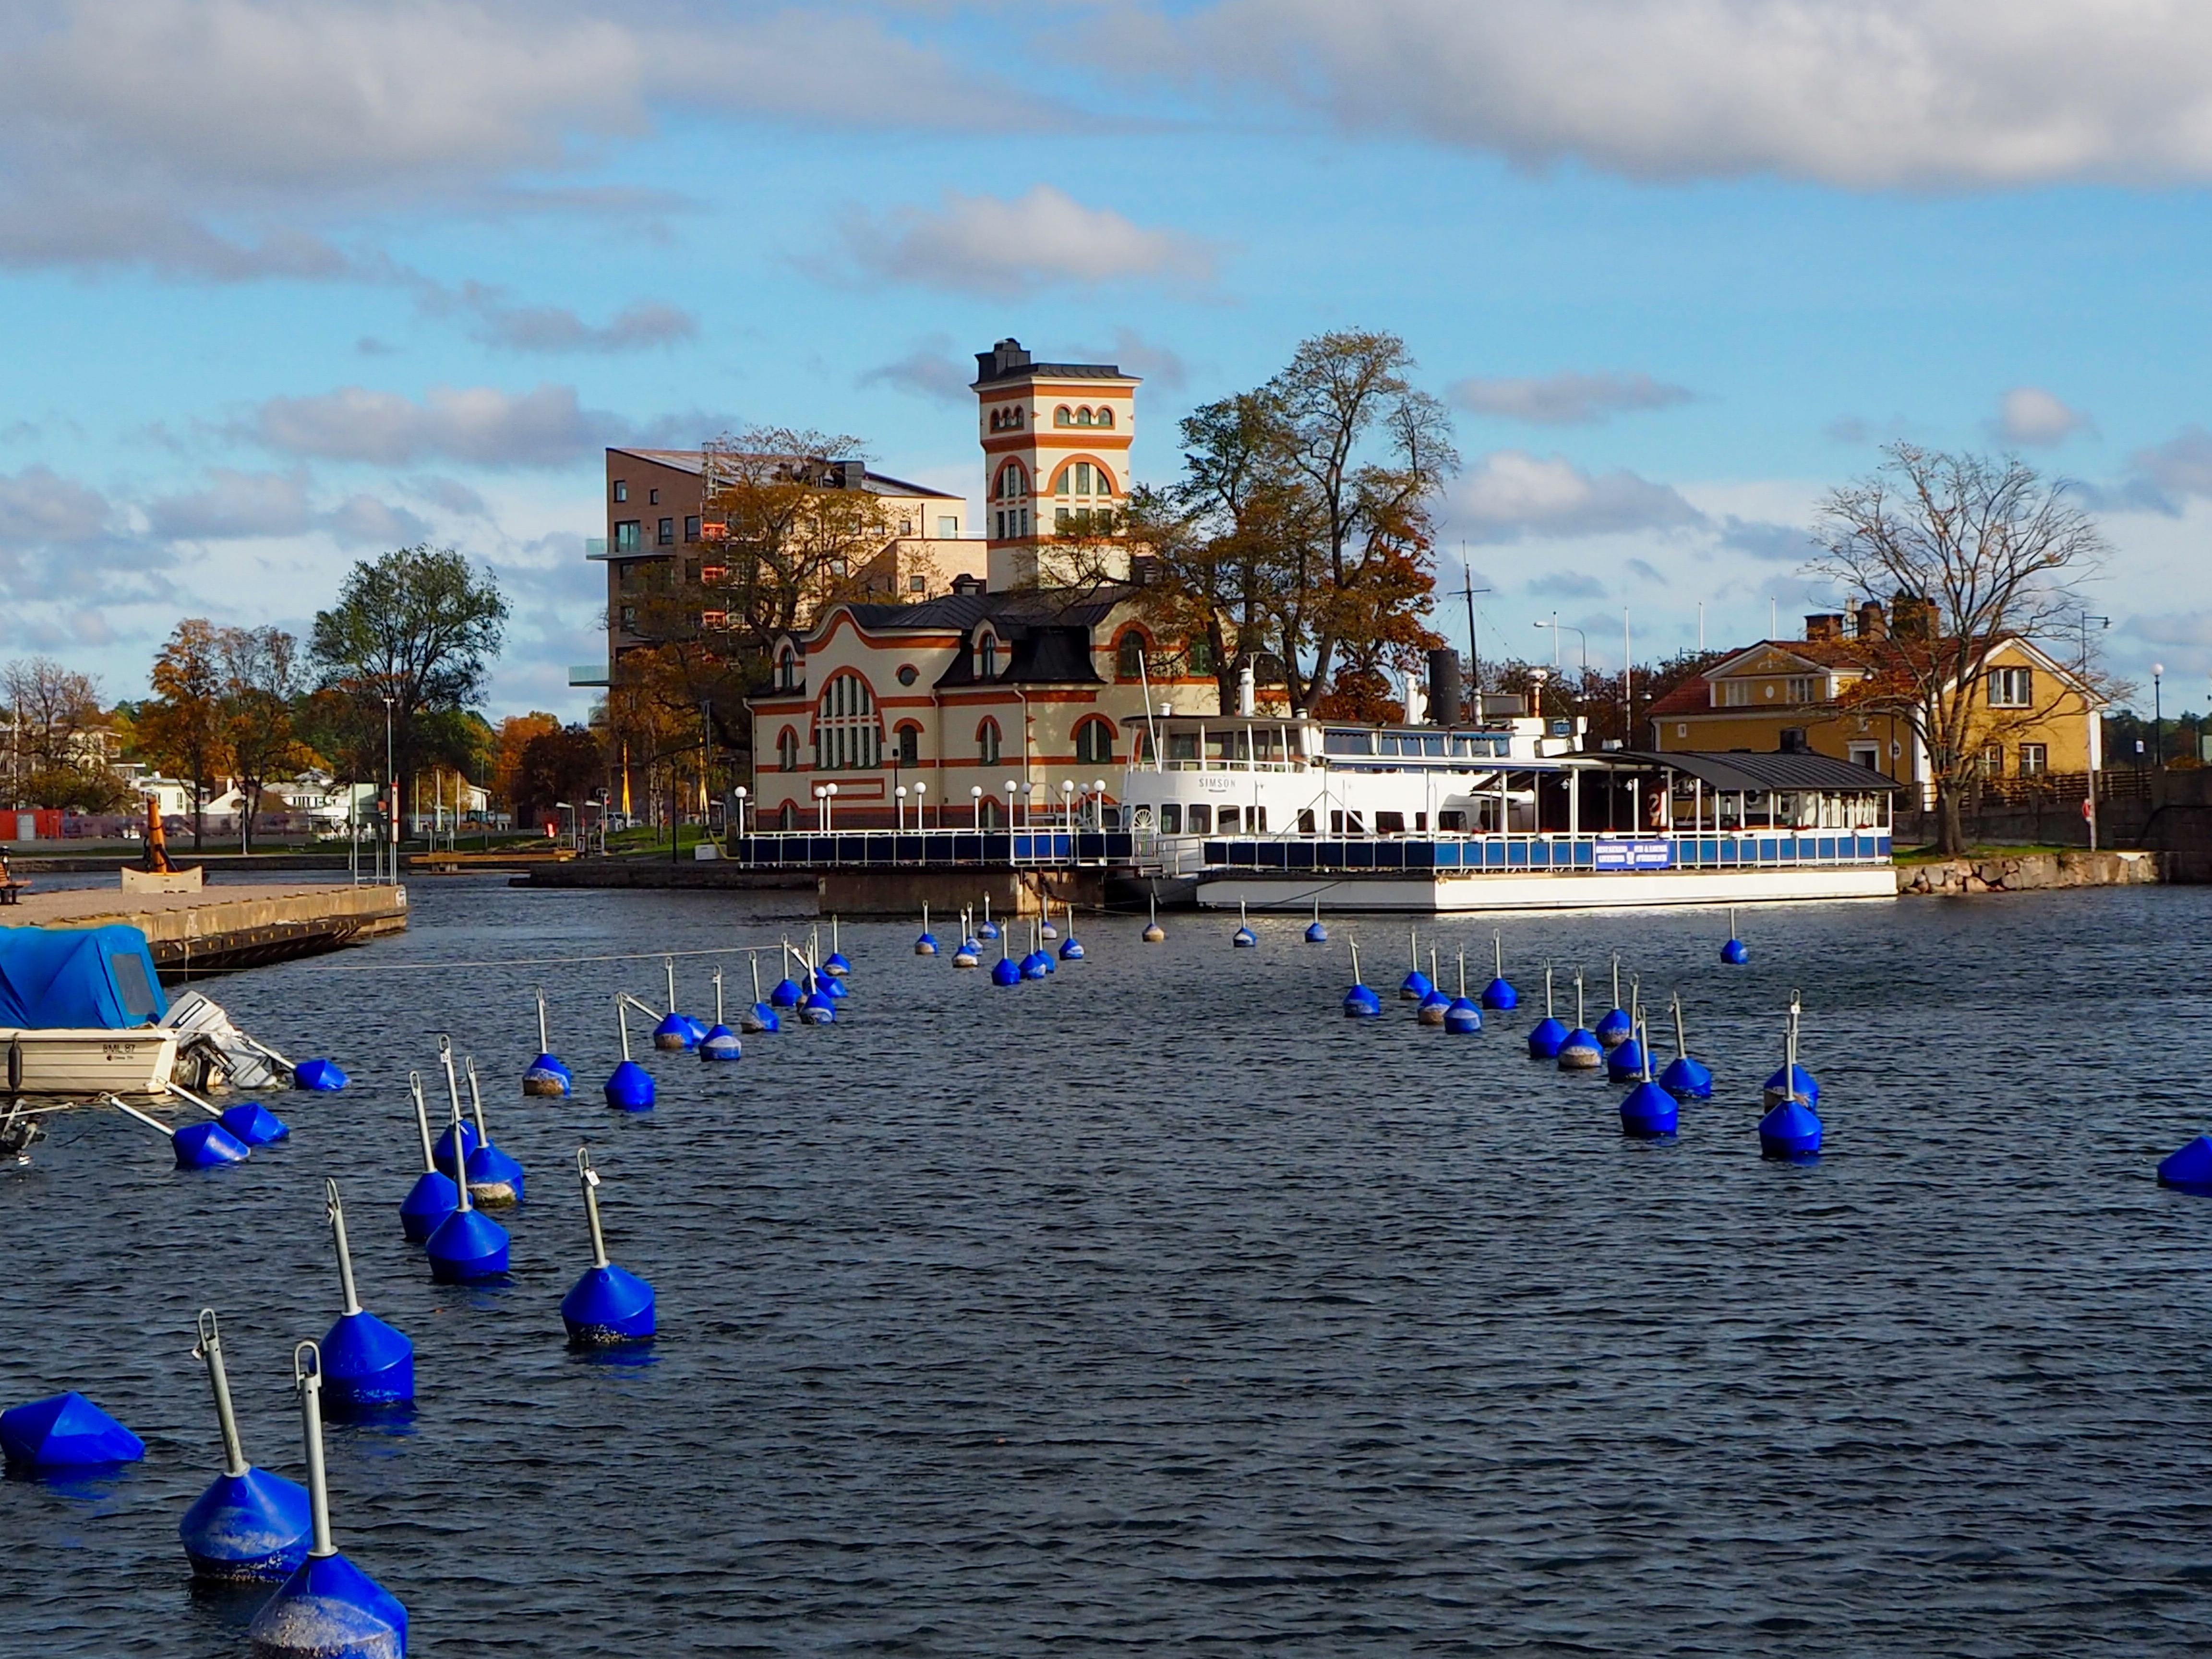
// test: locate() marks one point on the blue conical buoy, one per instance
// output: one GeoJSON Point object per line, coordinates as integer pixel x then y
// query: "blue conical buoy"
{"type": "Point", "coordinates": [1684, 1079]}
{"type": "Point", "coordinates": [65, 1431]}
{"type": "Point", "coordinates": [1625, 1062]}
{"type": "Point", "coordinates": [1649, 1113]}
{"type": "Point", "coordinates": [1613, 1026]}
{"type": "Point", "coordinates": [1791, 1129]}
{"type": "Point", "coordinates": [328, 1608]}
{"type": "Point", "coordinates": [1415, 985]}
{"type": "Point", "coordinates": [1243, 939]}
{"type": "Point", "coordinates": [250, 1121]}
{"type": "Point", "coordinates": [2190, 1169]}
{"type": "Point", "coordinates": [629, 1087]}
{"type": "Point", "coordinates": [202, 1146]}
{"type": "Point", "coordinates": [1071, 948]}
{"type": "Point", "coordinates": [462, 1135]}
{"type": "Point", "coordinates": [606, 1306]}
{"type": "Point", "coordinates": [1434, 1002]}
{"type": "Point", "coordinates": [1499, 995]}
{"type": "Point", "coordinates": [1462, 1017]}
{"type": "Point", "coordinates": [1005, 971]}
{"type": "Point", "coordinates": [1734, 954]}
{"type": "Point", "coordinates": [760, 1018]}
{"type": "Point", "coordinates": [817, 1009]}
{"type": "Point", "coordinates": [1580, 1050]}
{"type": "Point", "coordinates": [367, 1364]}
{"type": "Point", "coordinates": [1360, 1002]}
{"type": "Point", "coordinates": [1797, 1081]}
{"type": "Point", "coordinates": [1316, 933]}
{"type": "Point", "coordinates": [969, 953]}
{"type": "Point", "coordinates": [1036, 965]}
{"type": "Point", "coordinates": [989, 929]}
{"type": "Point", "coordinates": [1153, 933]}
{"type": "Point", "coordinates": [836, 990]}
{"type": "Point", "coordinates": [321, 1076]}
{"type": "Point", "coordinates": [495, 1178]}
{"type": "Point", "coordinates": [720, 1042]}
{"type": "Point", "coordinates": [676, 1032]}
{"type": "Point", "coordinates": [248, 1525]}
{"type": "Point", "coordinates": [468, 1245]}
{"type": "Point", "coordinates": [1046, 930]}
{"type": "Point", "coordinates": [546, 1077]}
{"type": "Point", "coordinates": [434, 1196]}
{"type": "Point", "coordinates": [787, 994]}
{"type": "Point", "coordinates": [835, 963]}
{"type": "Point", "coordinates": [1548, 1034]}
{"type": "Point", "coordinates": [926, 945]}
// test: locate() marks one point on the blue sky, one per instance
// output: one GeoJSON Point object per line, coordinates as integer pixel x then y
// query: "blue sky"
{"type": "Point", "coordinates": [288, 284]}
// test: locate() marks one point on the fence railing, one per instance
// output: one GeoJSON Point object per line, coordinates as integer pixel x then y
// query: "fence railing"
{"type": "Point", "coordinates": [785, 849]}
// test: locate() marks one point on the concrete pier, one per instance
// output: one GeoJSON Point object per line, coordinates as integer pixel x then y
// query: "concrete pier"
{"type": "Point", "coordinates": [224, 928]}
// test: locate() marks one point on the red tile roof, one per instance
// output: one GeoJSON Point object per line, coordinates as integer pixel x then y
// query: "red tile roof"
{"type": "Point", "coordinates": [1692, 697]}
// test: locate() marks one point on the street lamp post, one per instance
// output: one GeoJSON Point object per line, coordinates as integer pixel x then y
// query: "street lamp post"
{"type": "Point", "coordinates": [975, 797]}
{"type": "Point", "coordinates": [2157, 719]}
{"type": "Point", "coordinates": [392, 785]}
{"type": "Point", "coordinates": [901, 794]}
{"type": "Point", "coordinates": [920, 790]}
{"type": "Point", "coordinates": [737, 831]}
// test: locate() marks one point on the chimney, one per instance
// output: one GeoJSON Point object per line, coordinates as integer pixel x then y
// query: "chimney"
{"type": "Point", "coordinates": [1825, 625]}
{"type": "Point", "coordinates": [1911, 616]}
{"type": "Point", "coordinates": [966, 583]}
{"type": "Point", "coordinates": [1000, 360]}
{"type": "Point", "coordinates": [1872, 624]}
{"type": "Point", "coordinates": [1248, 698]}
{"type": "Point", "coordinates": [851, 475]}
{"type": "Point", "coordinates": [1444, 687]}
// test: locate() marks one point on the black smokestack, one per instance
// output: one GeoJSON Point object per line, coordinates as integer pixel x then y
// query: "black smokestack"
{"type": "Point", "coordinates": [1444, 688]}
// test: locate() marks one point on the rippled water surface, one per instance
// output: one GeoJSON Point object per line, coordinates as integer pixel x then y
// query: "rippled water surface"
{"type": "Point", "coordinates": [1158, 1307]}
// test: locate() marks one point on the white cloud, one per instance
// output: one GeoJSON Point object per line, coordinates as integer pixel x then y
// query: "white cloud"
{"type": "Point", "coordinates": [39, 508]}
{"type": "Point", "coordinates": [2181, 465]}
{"type": "Point", "coordinates": [235, 505]}
{"type": "Point", "coordinates": [1001, 249]}
{"type": "Point", "coordinates": [479, 425]}
{"type": "Point", "coordinates": [1510, 495]}
{"type": "Point", "coordinates": [230, 139]}
{"type": "Point", "coordinates": [638, 326]}
{"type": "Point", "coordinates": [1567, 399]}
{"type": "Point", "coordinates": [1161, 364]}
{"type": "Point", "coordinates": [2029, 415]}
{"type": "Point", "coordinates": [931, 370]}
{"type": "Point", "coordinates": [1862, 94]}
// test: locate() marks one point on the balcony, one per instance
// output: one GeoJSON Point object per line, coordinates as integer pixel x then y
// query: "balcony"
{"type": "Point", "coordinates": [595, 547]}
{"type": "Point", "coordinates": [589, 674]}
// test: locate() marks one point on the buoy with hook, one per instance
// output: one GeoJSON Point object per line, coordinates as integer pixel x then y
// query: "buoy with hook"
{"type": "Point", "coordinates": [457, 1138]}
{"type": "Point", "coordinates": [1359, 1002]}
{"type": "Point", "coordinates": [546, 1077]}
{"type": "Point", "coordinates": [818, 1006]}
{"type": "Point", "coordinates": [676, 1032]}
{"type": "Point", "coordinates": [760, 1017]}
{"type": "Point", "coordinates": [1614, 1025]}
{"type": "Point", "coordinates": [835, 963]}
{"type": "Point", "coordinates": [990, 929]}
{"type": "Point", "coordinates": [1684, 1079]}
{"type": "Point", "coordinates": [1462, 1017]}
{"type": "Point", "coordinates": [926, 945]}
{"type": "Point", "coordinates": [1734, 952]}
{"type": "Point", "coordinates": [720, 1042]}
{"type": "Point", "coordinates": [1549, 1033]}
{"type": "Point", "coordinates": [969, 951]}
{"type": "Point", "coordinates": [202, 1146]}
{"type": "Point", "coordinates": [1415, 985]}
{"type": "Point", "coordinates": [821, 979]}
{"type": "Point", "coordinates": [786, 994]}
{"type": "Point", "coordinates": [1153, 933]}
{"type": "Point", "coordinates": [1793, 1079]}
{"type": "Point", "coordinates": [1316, 933]}
{"type": "Point", "coordinates": [1005, 970]}
{"type": "Point", "coordinates": [1049, 932]}
{"type": "Point", "coordinates": [249, 1526]}
{"type": "Point", "coordinates": [630, 1086]}
{"type": "Point", "coordinates": [254, 1124]}
{"type": "Point", "coordinates": [1791, 1130]}
{"type": "Point", "coordinates": [607, 1306]}
{"type": "Point", "coordinates": [1499, 995]}
{"type": "Point", "coordinates": [1624, 1063]}
{"type": "Point", "coordinates": [494, 1177]}
{"type": "Point", "coordinates": [2189, 1169]}
{"type": "Point", "coordinates": [1243, 939]}
{"type": "Point", "coordinates": [468, 1246]}
{"type": "Point", "coordinates": [367, 1365]}
{"type": "Point", "coordinates": [329, 1608]}
{"type": "Point", "coordinates": [434, 1196]}
{"type": "Point", "coordinates": [1436, 1004]}
{"type": "Point", "coordinates": [1071, 948]}
{"type": "Point", "coordinates": [1649, 1113]}
{"type": "Point", "coordinates": [1580, 1051]}
{"type": "Point", "coordinates": [1038, 962]}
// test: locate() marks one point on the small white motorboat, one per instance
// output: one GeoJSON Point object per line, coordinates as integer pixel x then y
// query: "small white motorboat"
{"type": "Point", "coordinates": [87, 1061]}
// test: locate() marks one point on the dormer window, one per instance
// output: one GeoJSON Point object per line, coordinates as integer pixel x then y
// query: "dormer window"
{"type": "Point", "coordinates": [786, 670]}
{"type": "Point", "coordinates": [987, 656]}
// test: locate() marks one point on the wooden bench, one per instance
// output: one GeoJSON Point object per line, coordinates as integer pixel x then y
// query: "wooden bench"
{"type": "Point", "coordinates": [12, 890]}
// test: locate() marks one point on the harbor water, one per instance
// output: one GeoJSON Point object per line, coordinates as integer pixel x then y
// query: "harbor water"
{"type": "Point", "coordinates": [1157, 1307]}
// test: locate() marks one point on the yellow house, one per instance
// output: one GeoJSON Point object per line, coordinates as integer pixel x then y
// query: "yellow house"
{"type": "Point", "coordinates": [2031, 717]}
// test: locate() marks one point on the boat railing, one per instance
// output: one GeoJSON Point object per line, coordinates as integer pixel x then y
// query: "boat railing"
{"type": "Point", "coordinates": [809, 848]}
{"type": "Point", "coordinates": [1600, 853]}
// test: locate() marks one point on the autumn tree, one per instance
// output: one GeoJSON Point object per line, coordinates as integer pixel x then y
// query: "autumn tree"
{"type": "Point", "coordinates": [1973, 551]}
{"type": "Point", "coordinates": [261, 688]}
{"type": "Point", "coordinates": [512, 737]}
{"type": "Point", "coordinates": [181, 729]}
{"type": "Point", "coordinates": [418, 627]}
{"type": "Point", "coordinates": [58, 746]}
{"type": "Point", "coordinates": [563, 765]}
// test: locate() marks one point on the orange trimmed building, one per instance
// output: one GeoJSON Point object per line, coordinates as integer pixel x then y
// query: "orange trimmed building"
{"type": "Point", "coordinates": [1015, 693]}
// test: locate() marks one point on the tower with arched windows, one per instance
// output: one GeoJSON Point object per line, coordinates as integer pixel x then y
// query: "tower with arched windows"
{"type": "Point", "coordinates": [1056, 441]}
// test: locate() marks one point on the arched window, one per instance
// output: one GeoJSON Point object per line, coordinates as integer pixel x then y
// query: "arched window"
{"type": "Point", "coordinates": [787, 818]}
{"type": "Point", "coordinates": [1199, 650]}
{"type": "Point", "coordinates": [909, 745]}
{"type": "Point", "coordinates": [1094, 742]}
{"type": "Point", "coordinates": [1083, 417]}
{"type": "Point", "coordinates": [1013, 481]}
{"type": "Point", "coordinates": [1062, 418]}
{"type": "Point", "coordinates": [992, 815]}
{"type": "Point", "coordinates": [786, 670]}
{"type": "Point", "coordinates": [1129, 656]}
{"type": "Point", "coordinates": [987, 655]}
{"type": "Point", "coordinates": [1104, 417]}
{"type": "Point", "coordinates": [787, 751]}
{"type": "Point", "coordinates": [846, 735]}
{"type": "Point", "coordinates": [987, 742]}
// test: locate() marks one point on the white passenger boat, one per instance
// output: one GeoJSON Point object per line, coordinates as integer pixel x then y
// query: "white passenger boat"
{"type": "Point", "coordinates": [87, 1061]}
{"type": "Point", "coordinates": [1504, 814]}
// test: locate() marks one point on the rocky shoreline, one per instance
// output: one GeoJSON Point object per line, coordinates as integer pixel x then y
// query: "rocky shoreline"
{"type": "Point", "coordinates": [2022, 872]}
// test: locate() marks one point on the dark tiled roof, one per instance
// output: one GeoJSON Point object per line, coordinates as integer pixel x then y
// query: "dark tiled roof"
{"type": "Point", "coordinates": [1013, 611]}
{"type": "Point", "coordinates": [694, 461]}
{"type": "Point", "coordinates": [1741, 768]}
{"type": "Point", "coordinates": [1057, 372]}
